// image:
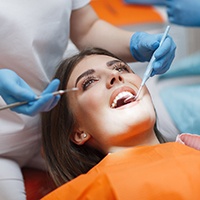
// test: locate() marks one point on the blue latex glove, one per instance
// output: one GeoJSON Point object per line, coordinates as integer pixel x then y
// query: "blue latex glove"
{"type": "Point", "coordinates": [145, 2]}
{"type": "Point", "coordinates": [143, 45]}
{"type": "Point", "coordinates": [15, 89]}
{"type": "Point", "coordinates": [184, 12]}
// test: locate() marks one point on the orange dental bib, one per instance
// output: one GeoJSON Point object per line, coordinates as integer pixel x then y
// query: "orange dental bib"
{"type": "Point", "coordinates": [164, 171]}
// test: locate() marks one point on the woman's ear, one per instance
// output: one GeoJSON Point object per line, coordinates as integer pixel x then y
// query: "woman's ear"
{"type": "Point", "coordinates": [80, 137]}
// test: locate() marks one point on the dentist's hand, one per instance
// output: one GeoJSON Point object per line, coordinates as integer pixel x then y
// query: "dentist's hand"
{"type": "Point", "coordinates": [143, 45]}
{"type": "Point", "coordinates": [15, 89]}
{"type": "Point", "coordinates": [184, 12]}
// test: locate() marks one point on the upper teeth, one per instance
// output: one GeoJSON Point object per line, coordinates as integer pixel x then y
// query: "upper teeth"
{"type": "Point", "coordinates": [124, 94]}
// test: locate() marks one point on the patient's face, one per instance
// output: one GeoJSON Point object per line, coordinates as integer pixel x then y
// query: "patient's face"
{"type": "Point", "coordinates": [99, 106]}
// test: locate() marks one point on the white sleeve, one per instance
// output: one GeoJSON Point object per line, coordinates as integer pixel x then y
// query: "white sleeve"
{"type": "Point", "coordinates": [78, 4]}
{"type": "Point", "coordinates": [11, 181]}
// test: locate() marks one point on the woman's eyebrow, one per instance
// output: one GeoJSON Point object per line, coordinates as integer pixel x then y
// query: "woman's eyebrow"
{"type": "Point", "coordinates": [86, 73]}
{"type": "Point", "coordinates": [112, 62]}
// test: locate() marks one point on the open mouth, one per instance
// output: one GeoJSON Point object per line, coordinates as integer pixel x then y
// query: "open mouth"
{"type": "Point", "coordinates": [120, 99]}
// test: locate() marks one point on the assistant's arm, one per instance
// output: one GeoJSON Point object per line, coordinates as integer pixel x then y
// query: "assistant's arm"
{"type": "Point", "coordinates": [184, 12]}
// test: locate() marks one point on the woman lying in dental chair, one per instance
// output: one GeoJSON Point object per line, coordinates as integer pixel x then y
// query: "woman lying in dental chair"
{"type": "Point", "coordinates": [98, 147]}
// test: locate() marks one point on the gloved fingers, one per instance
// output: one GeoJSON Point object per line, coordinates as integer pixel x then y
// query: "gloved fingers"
{"type": "Point", "coordinates": [163, 49]}
{"type": "Point", "coordinates": [151, 42]}
{"type": "Point", "coordinates": [167, 47]}
{"type": "Point", "coordinates": [13, 88]}
{"type": "Point", "coordinates": [33, 107]}
{"type": "Point", "coordinates": [22, 91]}
{"type": "Point", "coordinates": [48, 104]}
{"type": "Point", "coordinates": [159, 69]}
{"type": "Point", "coordinates": [164, 64]}
{"type": "Point", "coordinates": [161, 66]}
{"type": "Point", "coordinates": [53, 103]}
{"type": "Point", "coordinates": [45, 103]}
{"type": "Point", "coordinates": [142, 45]}
{"type": "Point", "coordinates": [52, 87]}
{"type": "Point", "coordinates": [18, 93]}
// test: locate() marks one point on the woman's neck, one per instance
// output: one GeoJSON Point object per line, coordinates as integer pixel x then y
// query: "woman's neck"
{"type": "Point", "coordinates": [147, 138]}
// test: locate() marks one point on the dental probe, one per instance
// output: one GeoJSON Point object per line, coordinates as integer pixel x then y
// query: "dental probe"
{"type": "Point", "coordinates": [149, 69]}
{"type": "Point", "coordinates": [59, 92]}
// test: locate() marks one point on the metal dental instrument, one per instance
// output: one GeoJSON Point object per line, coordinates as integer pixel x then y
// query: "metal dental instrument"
{"type": "Point", "coordinates": [149, 69]}
{"type": "Point", "coordinates": [59, 92]}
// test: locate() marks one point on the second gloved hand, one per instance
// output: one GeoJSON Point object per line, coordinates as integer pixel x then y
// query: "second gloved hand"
{"type": "Point", "coordinates": [45, 103]}
{"type": "Point", "coordinates": [184, 12]}
{"type": "Point", "coordinates": [14, 89]}
{"type": "Point", "coordinates": [143, 45]}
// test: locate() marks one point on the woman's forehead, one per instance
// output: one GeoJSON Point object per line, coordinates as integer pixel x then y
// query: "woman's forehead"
{"type": "Point", "coordinates": [96, 61]}
{"type": "Point", "coordinates": [92, 62]}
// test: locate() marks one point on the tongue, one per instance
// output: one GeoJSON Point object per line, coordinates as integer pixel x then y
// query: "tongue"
{"type": "Point", "coordinates": [121, 102]}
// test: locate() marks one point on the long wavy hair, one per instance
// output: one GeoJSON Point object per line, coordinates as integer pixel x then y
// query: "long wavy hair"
{"type": "Point", "coordinates": [66, 160]}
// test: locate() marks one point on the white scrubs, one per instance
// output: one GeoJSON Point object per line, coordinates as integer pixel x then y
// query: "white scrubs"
{"type": "Point", "coordinates": [34, 36]}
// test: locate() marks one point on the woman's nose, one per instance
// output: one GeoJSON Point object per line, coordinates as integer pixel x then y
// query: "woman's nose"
{"type": "Point", "coordinates": [115, 78]}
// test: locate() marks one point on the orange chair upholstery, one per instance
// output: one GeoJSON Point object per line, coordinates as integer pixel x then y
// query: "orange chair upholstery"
{"type": "Point", "coordinates": [119, 13]}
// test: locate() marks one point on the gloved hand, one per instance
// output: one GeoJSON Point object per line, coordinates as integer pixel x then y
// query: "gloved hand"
{"type": "Point", "coordinates": [145, 2]}
{"type": "Point", "coordinates": [15, 89]}
{"type": "Point", "coordinates": [184, 12]}
{"type": "Point", "coordinates": [143, 45]}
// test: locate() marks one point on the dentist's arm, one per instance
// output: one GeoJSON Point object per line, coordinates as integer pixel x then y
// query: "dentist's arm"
{"type": "Point", "coordinates": [88, 30]}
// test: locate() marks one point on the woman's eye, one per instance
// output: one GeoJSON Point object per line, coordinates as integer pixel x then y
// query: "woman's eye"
{"type": "Point", "coordinates": [121, 67]}
{"type": "Point", "coordinates": [88, 81]}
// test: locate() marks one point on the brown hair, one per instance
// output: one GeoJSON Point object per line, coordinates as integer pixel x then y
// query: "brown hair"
{"type": "Point", "coordinates": [66, 160]}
